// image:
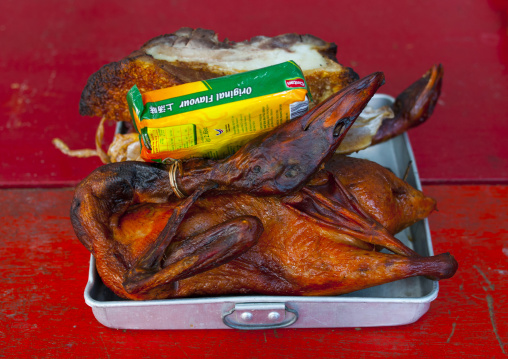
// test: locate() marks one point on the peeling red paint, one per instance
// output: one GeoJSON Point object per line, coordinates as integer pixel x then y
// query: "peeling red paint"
{"type": "Point", "coordinates": [43, 272]}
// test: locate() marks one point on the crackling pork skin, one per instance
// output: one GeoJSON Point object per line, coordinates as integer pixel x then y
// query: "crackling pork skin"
{"type": "Point", "coordinates": [189, 55]}
{"type": "Point", "coordinates": [282, 216]}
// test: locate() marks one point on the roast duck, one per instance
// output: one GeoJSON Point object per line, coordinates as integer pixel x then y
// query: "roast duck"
{"type": "Point", "coordinates": [285, 215]}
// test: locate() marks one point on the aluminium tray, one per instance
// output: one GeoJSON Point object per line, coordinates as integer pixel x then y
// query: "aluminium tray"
{"type": "Point", "coordinates": [396, 303]}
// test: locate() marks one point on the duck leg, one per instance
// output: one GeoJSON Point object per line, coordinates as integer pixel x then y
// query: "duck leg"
{"type": "Point", "coordinates": [351, 269]}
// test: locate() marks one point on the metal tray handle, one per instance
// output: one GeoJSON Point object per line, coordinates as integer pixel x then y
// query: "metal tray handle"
{"type": "Point", "coordinates": [253, 316]}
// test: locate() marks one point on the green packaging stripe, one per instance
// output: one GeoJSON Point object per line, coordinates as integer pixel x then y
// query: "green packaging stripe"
{"type": "Point", "coordinates": [135, 104]}
{"type": "Point", "coordinates": [266, 81]}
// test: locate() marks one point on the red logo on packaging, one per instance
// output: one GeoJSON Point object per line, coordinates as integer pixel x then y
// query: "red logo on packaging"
{"type": "Point", "coordinates": [297, 82]}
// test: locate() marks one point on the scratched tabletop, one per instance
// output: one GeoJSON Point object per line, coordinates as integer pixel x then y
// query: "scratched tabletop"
{"type": "Point", "coordinates": [44, 269]}
{"type": "Point", "coordinates": [50, 48]}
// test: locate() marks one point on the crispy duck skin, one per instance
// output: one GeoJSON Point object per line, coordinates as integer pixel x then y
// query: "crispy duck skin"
{"type": "Point", "coordinates": [196, 54]}
{"type": "Point", "coordinates": [295, 254]}
{"type": "Point", "coordinates": [282, 216]}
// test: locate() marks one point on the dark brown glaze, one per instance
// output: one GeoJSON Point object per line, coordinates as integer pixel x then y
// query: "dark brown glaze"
{"type": "Point", "coordinates": [284, 160]}
{"type": "Point", "coordinates": [266, 220]}
{"type": "Point", "coordinates": [413, 106]}
{"type": "Point", "coordinates": [106, 89]}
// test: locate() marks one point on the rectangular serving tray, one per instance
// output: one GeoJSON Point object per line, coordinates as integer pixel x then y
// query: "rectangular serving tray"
{"type": "Point", "coordinates": [396, 303]}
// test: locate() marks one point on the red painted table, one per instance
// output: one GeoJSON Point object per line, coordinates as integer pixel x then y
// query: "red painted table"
{"type": "Point", "coordinates": [43, 272]}
{"type": "Point", "coordinates": [50, 48]}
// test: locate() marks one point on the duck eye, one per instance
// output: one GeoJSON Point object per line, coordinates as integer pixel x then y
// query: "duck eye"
{"type": "Point", "coordinates": [256, 169]}
{"type": "Point", "coordinates": [292, 171]}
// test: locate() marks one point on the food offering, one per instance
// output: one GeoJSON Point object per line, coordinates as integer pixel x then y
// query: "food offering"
{"type": "Point", "coordinates": [283, 216]}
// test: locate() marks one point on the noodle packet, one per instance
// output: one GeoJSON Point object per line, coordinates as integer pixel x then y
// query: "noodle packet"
{"type": "Point", "coordinates": [214, 118]}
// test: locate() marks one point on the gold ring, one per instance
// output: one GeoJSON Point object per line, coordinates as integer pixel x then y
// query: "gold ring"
{"type": "Point", "coordinates": [174, 168]}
